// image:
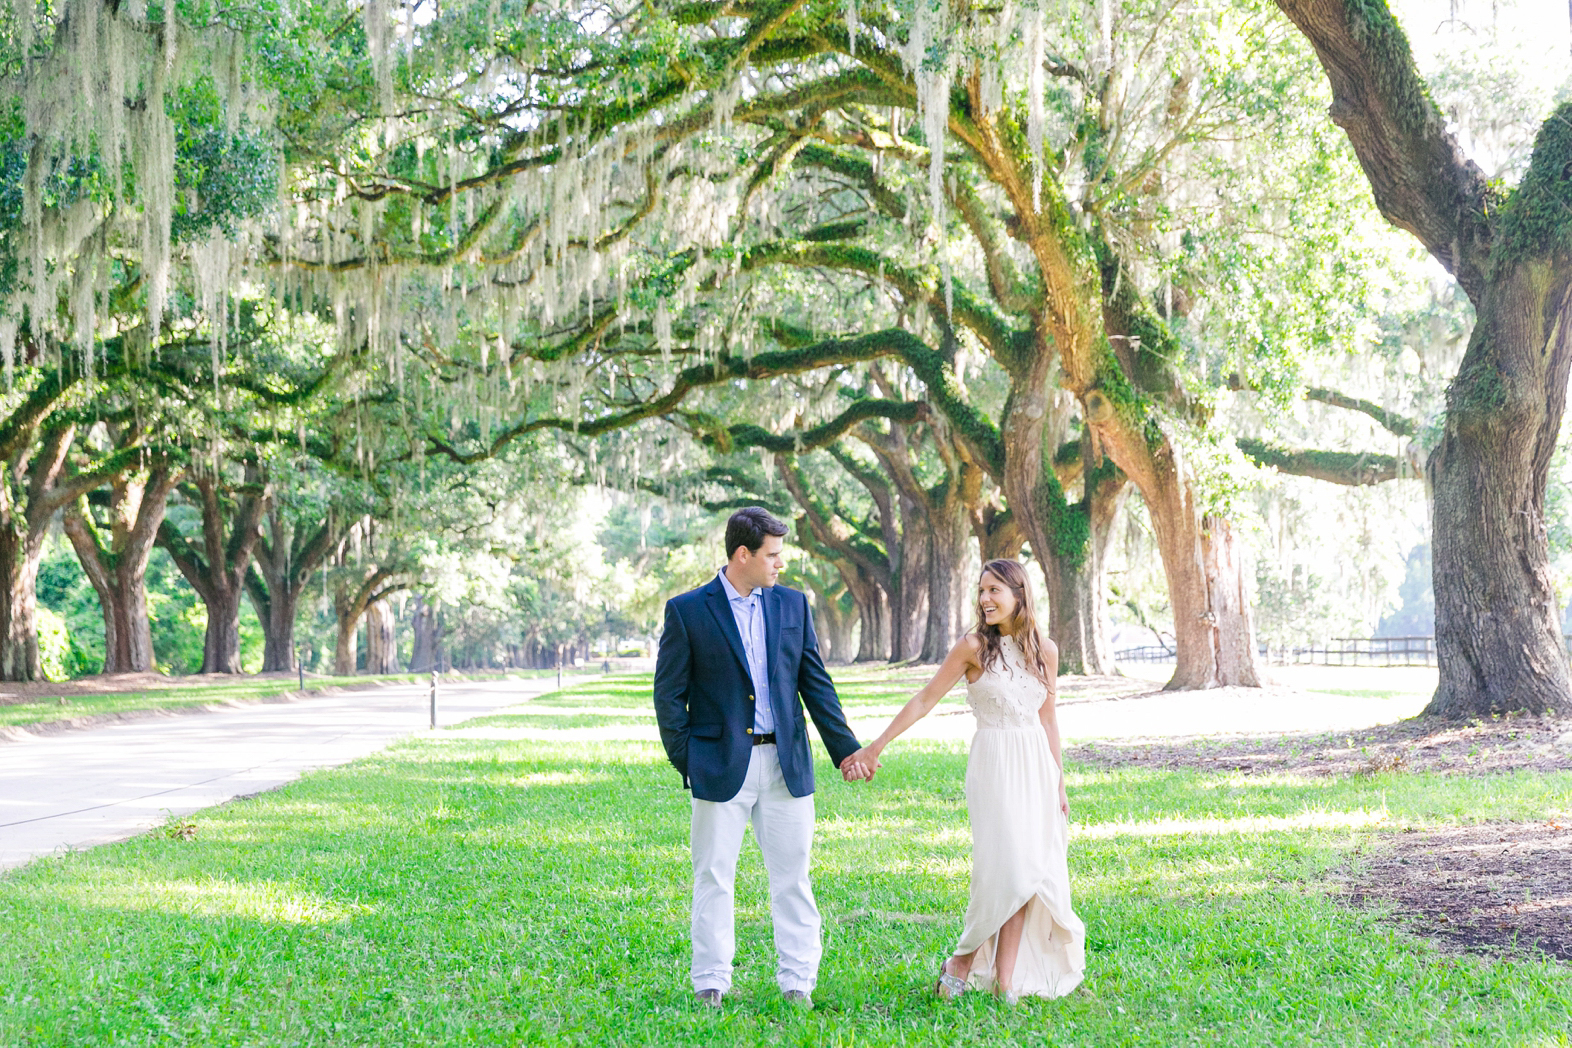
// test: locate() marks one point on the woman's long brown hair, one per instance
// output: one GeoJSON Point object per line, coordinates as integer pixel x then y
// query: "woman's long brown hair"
{"type": "Point", "coordinates": [1023, 621]}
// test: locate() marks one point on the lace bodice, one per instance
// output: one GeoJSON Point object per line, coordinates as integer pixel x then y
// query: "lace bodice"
{"type": "Point", "coordinates": [1006, 695]}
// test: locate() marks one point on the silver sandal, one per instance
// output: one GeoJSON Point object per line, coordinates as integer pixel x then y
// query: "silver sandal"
{"type": "Point", "coordinates": [949, 987]}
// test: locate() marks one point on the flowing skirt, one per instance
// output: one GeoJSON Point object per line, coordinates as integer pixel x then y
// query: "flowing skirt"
{"type": "Point", "coordinates": [1020, 858]}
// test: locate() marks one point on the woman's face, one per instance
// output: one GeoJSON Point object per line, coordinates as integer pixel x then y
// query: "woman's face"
{"type": "Point", "coordinates": [995, 599]}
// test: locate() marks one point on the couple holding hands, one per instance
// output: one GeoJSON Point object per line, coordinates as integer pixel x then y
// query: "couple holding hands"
{"type": "Point", "coordinates": [739, 660]}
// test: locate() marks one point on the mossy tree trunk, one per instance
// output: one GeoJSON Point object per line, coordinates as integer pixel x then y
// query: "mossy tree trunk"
{"type": "Point", "coordinates": [354, 593]}
{"type": "Point", "coordinates": [38, 487]}
{"type": "Point", "coordinates": [863, 565]}
{"type": "Point", "coordinates": [425, 650]}
{"type": "Point", "coordinates": [1498, 637]}
{"type": "Point", "coordinates": [1498, 629]}
{"type": "Point", "coordinates": [116, 563]}
{"type": "Point", "coordinates": [381, 640]}
{"type": "Point", "coordinates": [217, 568]}
{"type": "Point", "coordinates": [835, 623]}
{"type": "Point", "coordinates": [1058, 531]}
{"type": "Point", "coordinates": [934, 537]}
{"type": "Point", "coordinates": [286, 556]}
{"type": "Point", "coordinates": [1078, 585]}
{"type": "Point", "coordinates": [1113, 352]}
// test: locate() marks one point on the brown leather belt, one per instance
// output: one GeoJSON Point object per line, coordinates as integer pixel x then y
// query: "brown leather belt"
{"type": "Point", "coordinates": [767, 739]}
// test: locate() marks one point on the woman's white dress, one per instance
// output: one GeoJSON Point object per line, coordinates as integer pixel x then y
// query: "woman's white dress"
{"type": "Point", "coordinates": [1019, 836]}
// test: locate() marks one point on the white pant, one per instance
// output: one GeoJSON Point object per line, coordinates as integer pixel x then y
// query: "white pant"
{"type": "Point", "coordinates": [783, 825]}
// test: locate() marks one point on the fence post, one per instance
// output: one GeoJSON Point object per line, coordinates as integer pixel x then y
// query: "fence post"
{"type": "Point", "coordinates": [300, 668]}
{"type": "Point", "coordinates": [433, 700]}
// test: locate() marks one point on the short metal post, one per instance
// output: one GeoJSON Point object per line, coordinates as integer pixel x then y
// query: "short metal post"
{"type": "Point", "coordinates": [300, 668]}
{"type": "Point", "coordinates": [433, 699]}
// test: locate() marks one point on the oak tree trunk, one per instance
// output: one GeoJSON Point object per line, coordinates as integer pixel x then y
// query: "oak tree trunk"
{"type": "Point", "coordinates": [36, 488]}
{"type": "Point", "coordinates": [221, 642]}
{"type": "Point", "coordinates": [1498, 634]}
{"type": "Point", "coordinates": [1497, 637]}
{"type": "Point", "coordinates": [1208, 582]}
{"type": "Point", "coordinates": [381, 643]}
{"type": "Point", "coordinates": [278, 630]}
{"type": "Point", "coordinates": [873, 617]}
{"type": "Point", "coordinates": [837, 628]}
{"type": "Point", "coordinates": [1076, 600]}
{"type": "Point", "coordinates": [345, 653]}
{"type": "Point", "coordinates": [122, 596]}
{"type": "Point", "coordinates": [948, 594]}
{"type": "Point", "coordinates": [424, 652]}
{"type": "Point", "coordinates": [909, 601]}
{"type": "Point", "coordinates": [218, 563]}
{"type": "Point", "coordinates": [117, 569]}
{"type": "Point", "coordinates": [287, 555]}
{"type": "Point", "coordinates": [1078, 589]}
{"type": "Point", "coordinates": [19, 560]}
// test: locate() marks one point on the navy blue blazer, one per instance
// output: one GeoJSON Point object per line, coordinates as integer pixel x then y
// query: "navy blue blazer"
{"type": "Point", "coordinates": [704, 696]}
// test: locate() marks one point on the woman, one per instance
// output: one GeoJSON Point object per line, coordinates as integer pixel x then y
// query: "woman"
{"type": "Point", "coordinates": [1021, 937]}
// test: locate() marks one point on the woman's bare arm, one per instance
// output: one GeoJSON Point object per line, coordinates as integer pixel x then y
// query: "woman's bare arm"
{"type": "Point", "coordinates": [954, 666]}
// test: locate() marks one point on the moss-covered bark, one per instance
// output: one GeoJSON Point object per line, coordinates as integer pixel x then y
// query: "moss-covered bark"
{"type": "Point", "coordinates": [1498, 636]}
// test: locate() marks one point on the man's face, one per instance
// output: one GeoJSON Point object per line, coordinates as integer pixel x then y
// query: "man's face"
{"type": "Point", "coordinates": [759, 568]}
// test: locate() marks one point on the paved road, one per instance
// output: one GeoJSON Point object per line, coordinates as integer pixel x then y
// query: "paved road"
{"type": "Point", "coordinates": [81, 788]}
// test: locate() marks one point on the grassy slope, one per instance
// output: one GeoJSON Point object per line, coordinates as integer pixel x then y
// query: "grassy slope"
{"type": "Point", "coordinates": [459, 891]}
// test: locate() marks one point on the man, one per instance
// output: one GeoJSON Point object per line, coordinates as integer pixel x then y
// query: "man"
{"type": "Point", "coordinates": [735, 655]}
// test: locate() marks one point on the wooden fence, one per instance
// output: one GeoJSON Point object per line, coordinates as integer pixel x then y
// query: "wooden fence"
{"type": "Point", "coordinates": [1338, 651]}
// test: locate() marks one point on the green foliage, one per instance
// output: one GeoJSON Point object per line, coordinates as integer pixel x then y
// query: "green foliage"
{"type": "Point", "coordinates": [55, 651]}
{"type": "Point", "coordinates": [176, 615]}
{"type": "Point", "coordinates": [222, 179]}
{"type": "Point", "coordinates": [63, 590]}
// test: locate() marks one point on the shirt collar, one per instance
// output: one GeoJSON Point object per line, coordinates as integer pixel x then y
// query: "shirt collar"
{"type": "Point", "coordinates": [731, 591]}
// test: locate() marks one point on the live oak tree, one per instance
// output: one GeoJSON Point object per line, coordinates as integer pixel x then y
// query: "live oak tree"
{"type": "Point", "coordinates": [1049, 283]}
{"type": "Point", "coordinates": [218, 560]}
{"type": "Point", "coordinates": [1510, 250]}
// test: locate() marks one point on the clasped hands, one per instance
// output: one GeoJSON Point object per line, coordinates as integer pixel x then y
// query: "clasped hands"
{"type": "Point", "coordinates": [860, 766]}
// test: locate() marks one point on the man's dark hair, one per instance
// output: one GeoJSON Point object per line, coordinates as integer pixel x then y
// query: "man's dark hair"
{"type": "Point", "coordinates": [747, 527]}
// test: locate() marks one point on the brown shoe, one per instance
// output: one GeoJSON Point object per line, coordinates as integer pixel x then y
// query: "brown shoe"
{"type": "Point", "coordinates": [709, 998]}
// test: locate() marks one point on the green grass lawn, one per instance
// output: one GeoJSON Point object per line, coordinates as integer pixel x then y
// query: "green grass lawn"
{"type": "Point", "coordinates": [456, 891]}
{"type": "Point", "coordinates": [32, 712]}
{"type": "Point", "coordinates": [179, 696]}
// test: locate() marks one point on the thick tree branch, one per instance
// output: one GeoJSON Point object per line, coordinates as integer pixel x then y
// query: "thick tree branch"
{"type": "Point", "coordinates": [796, 441]}
{"type": "Point", "coordinates": [1422, 181]}
{"type": "Point", "coordinates": [1391, 421]}
{"type": "Point", "coordinates": [1351, 468]}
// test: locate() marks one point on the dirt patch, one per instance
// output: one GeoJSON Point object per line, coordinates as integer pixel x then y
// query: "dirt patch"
{"type": "Point", "coordinates": [1422, 744]}
{"type": "Point", "coordinates": [1499, 888]}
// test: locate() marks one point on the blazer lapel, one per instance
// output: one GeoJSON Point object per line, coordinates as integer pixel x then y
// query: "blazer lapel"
{"type": "Point", "coordinates": [772, 634]}
{"type": "Point", "coordinates": [720, 607]}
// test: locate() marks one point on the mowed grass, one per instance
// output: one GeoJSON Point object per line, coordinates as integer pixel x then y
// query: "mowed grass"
{"type": "Point", "coordinates": [47, 709]}
{"type": "Point", "coordinates": [35, 711]}
{"type": "Point", "coordinates": [459, 891]}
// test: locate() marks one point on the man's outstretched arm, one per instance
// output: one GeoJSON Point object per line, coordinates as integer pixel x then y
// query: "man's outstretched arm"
{"type": "Point", "coordinates": [818, 695]}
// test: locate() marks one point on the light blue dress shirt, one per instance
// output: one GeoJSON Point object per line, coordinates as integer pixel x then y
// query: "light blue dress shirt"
{"type": "Point", "coordinates": [749, 614]}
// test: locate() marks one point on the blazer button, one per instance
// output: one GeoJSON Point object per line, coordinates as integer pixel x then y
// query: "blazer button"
{"type": "Point", "coordinates": [750, 731]}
